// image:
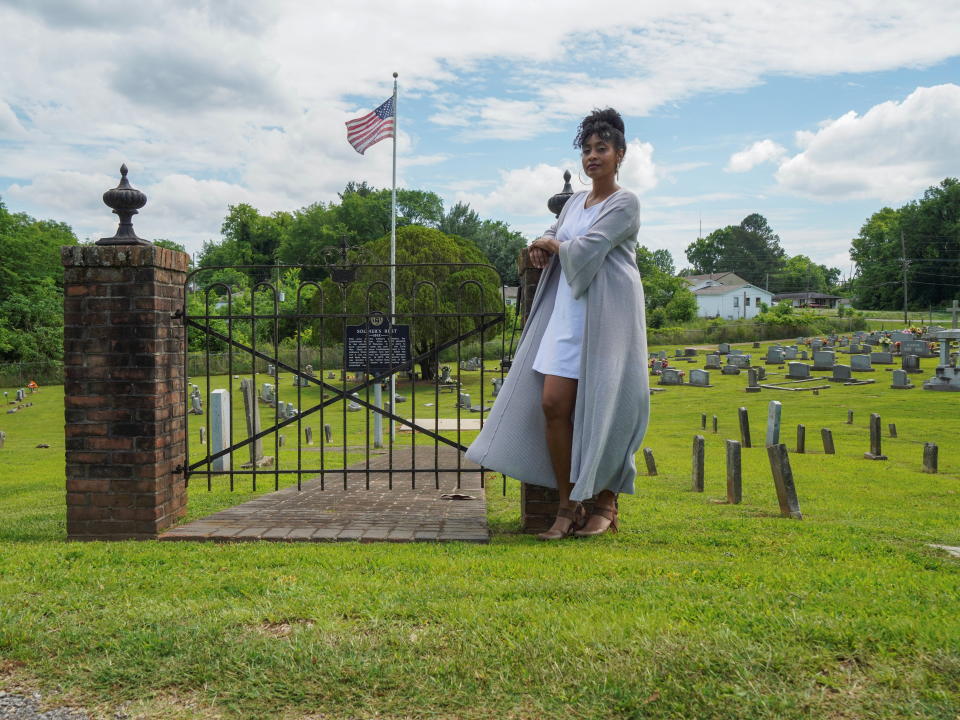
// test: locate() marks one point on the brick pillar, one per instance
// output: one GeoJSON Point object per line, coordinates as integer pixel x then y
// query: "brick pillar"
{"type": "Point", "coordinates": [538, 505]}
{"type": "Point", "coordinates": [124, 390]}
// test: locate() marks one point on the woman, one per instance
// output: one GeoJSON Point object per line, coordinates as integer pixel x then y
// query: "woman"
{"type": "Point", "coordinates": [573, 409]}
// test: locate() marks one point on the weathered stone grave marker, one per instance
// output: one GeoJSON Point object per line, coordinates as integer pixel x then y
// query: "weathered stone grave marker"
{"type": "Point", "coordinates": [744, 427]}
{"type": "Point", "coordinates": [798, 371]}
{"type": "Point", "coordinates": [783, 481]}
{"type": "Point", "coordinates": [827, 436]}
{"type": "Point", "coordinates": [930, 457]}
{"type": "Point", "coordinates": [698, 459]}
{"type": "Point", "coordinates": [651, 463]}
{"type": "Point", "coordinates": [901, 381]}
{"type": "Point", "coordinates": [700, 378]}
{"type": "Point", "coordinates": [734, 473]}
{"type": "Point", "coordinates": [876, 453]}
{"type": "Point", "coordinates": [773, 422]}
{"type": "Point", "coordinates": [860, 363]}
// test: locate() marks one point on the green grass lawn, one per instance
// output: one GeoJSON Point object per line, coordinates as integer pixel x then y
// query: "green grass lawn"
{"type": "Point", "coordinates": [694, 610]}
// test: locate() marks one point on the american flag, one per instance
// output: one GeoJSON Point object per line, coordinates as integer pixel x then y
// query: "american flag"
{"type": "Point", "coordinates": [372, 127]}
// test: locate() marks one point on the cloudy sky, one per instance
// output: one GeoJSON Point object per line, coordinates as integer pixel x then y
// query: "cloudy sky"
{"type": "Point", "coordinates": [814, 114]}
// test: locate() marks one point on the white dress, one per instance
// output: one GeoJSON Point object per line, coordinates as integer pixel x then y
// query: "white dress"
{"type": "Point", "coordinates": [559, 352]}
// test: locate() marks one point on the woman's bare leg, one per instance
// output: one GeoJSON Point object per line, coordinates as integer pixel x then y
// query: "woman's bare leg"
{"type": "Point", "coordinates": [559, 399]}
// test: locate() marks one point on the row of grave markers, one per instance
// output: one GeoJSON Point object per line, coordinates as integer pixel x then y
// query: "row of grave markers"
{"type": "Point", "coordinates": [779, 455]}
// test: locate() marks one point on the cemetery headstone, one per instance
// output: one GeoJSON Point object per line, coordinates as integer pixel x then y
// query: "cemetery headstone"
{"type": "Point", "coordinates": [773, 422]}
{"type": "Point", "coordinates": [670, 376]}
{"type": "Point", "coordinates": [308, 435]}
{"type": "Point", "coordinates": [881, 358]}
{"type": "Point", "coordinates": [901, 381]}
{"type": "Point", "coordinates": [892, 429]}
{"type": "Point", "coordinates": [947, 377]}
{"type": "Point", "coordinates": [713, 362]}
{"type": "Point", "coordinates": [196, 404]}
{"type": "Point", "coordinates": [740, 361]}
{"type": "Point", "coordinates": [774, 356]}
{"type": "Point", "coordinates": [651, 463]}
{"type": "Point", "coordinates": [203, 436]}
{"type": "Point", "coordinates": [783, 481]}
{"type": "Point", "coordinates": [876, 452]}
{"type": "Point", "coordinates": [910, 363]}
{"type": "Point", "coordinates": [700, 378]}
{"type": "Point", "coordinates": [826, 435]}
{"type": "Point", "coordinates": [790, 352]}
{"type": "Point", "coordinates": [823, 359]}
{"type": "Point", "coordinates": [860, 363]}
{"type": "Point", "coordinates": [251, 413]}
{"type": "Point", "coordinates": [723, 348]}
{"type": "Point", "coordinates": [744, 427]}
{"type": "Point", "coordinates": [841, 373]}
{"type": "Point", "coordinates": [752, 384]}
{"type": "Point", "coordinates": [798, 371]}
{"type": "Point", "coordinates": [734, 473]}
{"type": "Point", "coordinates": [3, 439]}
{"type": "Point", "coordinates": [730, 370]}
{"type": "Point", "coordinates": [328, 432]}
{"type": "Point", "coordinates": [497, 384]}
{"type": "Point", "coordinates": [220, 429]}
{"type": "Point", "coordinates": [930, 457]}
{"type": "Point", "coordinates": [920, 348]}
{"type": "Point", "coordinates": [801, 439]}
{"type": "Point", "coordinates": [698, 459]}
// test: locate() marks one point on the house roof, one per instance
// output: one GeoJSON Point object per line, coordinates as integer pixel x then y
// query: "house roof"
{"type": "Point", "coordinates": [725, 289]}
{"type": "Point", "coordinates": [724, 278]}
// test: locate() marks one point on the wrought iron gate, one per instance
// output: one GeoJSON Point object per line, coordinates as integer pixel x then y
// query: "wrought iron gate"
{"type": "Point", "coordinates": [336, 340]}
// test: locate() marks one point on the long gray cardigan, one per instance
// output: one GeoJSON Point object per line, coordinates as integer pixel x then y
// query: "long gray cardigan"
{"type": "Point", "coordinates": [613, 398]}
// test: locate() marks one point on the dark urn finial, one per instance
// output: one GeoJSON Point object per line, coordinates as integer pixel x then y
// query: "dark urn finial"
{"type": "Point", "coordinates": [125, 201]}
{"type": "Point", "coordinates": [556, 203]}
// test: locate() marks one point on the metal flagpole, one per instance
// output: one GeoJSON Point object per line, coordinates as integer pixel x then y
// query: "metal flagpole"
{"type": "Point", "coordinates": [393, 253]}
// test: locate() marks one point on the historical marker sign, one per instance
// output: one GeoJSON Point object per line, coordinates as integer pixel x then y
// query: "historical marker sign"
{"type": "Point", "coordinates": [376, 345]}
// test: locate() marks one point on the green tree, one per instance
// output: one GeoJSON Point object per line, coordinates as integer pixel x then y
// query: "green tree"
{"type": "Point", "coordinates": [801, 274]}
{"type": "Point", "coordinates": [31, 287]}
{"type": "Point", "coordinates": [442, 277]}
{"type": "Point", "coordinates": [666, 296]}
{"type": "Point", "coordinates": [751, 250]}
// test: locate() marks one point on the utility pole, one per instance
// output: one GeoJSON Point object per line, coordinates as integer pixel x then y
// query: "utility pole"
{"type": "Point", "coordinates": [903, 258]}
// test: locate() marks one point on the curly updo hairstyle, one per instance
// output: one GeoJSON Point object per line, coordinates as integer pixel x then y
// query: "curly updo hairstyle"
{"type": "Point", "coordinates": [606, 124]}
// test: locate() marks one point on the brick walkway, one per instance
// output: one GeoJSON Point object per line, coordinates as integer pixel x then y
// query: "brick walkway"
{"type": "Point", "coordinates": [378, 514]}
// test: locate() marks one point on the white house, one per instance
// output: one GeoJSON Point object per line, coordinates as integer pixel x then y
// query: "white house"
{"type": "Point", "coordinates": [727, 295]}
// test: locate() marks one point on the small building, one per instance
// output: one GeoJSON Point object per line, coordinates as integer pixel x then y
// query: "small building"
{"type": "Point", "coordinates": [809, 299]}
{"type": "Point", "coordinates": [727, 295]}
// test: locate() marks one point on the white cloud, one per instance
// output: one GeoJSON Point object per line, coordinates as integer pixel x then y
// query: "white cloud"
{"type": "Point", "coordinates": [525, 191]}
{"type": "Point", "coordinates": [638, 171]}
{"type": "Point", "coordinates": [253, 95]}
{"type": "Point", "coordinates": [9, 123]}
{"type": "Point", "coordinates": [890, 153]}
{"type": "Point", "coordinates": [760, 152]}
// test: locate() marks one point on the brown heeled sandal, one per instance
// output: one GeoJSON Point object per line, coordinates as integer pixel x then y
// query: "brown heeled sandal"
{"type": "Point", "coordinates": [577, 518]}
{"type": "Point", "coordinates": [610, 513]}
